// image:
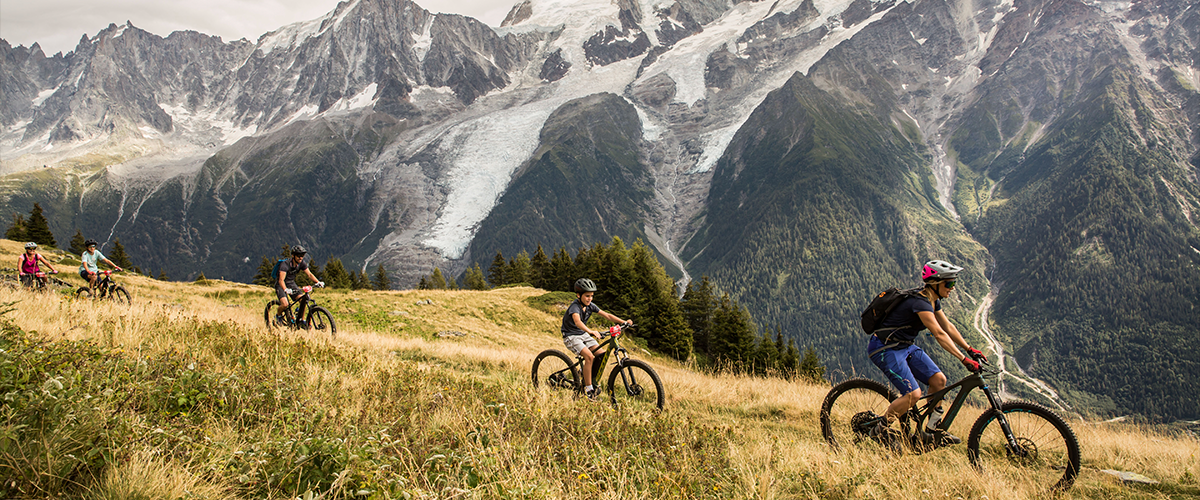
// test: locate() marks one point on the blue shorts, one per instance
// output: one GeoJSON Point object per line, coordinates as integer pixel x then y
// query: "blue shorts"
{"type": "Point", "coordinates": [903, 366]}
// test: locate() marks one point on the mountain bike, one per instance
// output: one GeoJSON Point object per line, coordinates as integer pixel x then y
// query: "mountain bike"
{"type": "Point", "coordinates": [105, 288]}
{"type": "Point", "coordinates": [38, 281]}
{"type": "Point", "coordinates": [317, 318]}
{"type": "Point", "coordinates": [1017, 440]}
{"type": "Point", "coordinates": [631, 384]}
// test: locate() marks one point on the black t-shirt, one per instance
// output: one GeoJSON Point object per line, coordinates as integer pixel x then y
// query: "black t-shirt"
{"type": "Point", "coordinates": [568, 323]}
{"type": "Point", "coordinates": [291, 269]}
{"type": "Point", "coordinates": [905, 314]}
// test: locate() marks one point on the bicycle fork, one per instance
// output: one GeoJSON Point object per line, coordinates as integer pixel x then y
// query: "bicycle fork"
{"type": "Point", "coordinates": [1013, 446]}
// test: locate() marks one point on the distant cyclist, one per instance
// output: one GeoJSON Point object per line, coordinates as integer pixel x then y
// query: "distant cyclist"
{"type": "Point", "coordinates": [285, 286]}
{"type": "Point", "coordinates": [89, 270]}
{"type": "Point", "coordinates": [904, 363]}
{"type": "Point", "coordinates": [27, 267]}
{"type": "Point", "coordinates": [576, 334]}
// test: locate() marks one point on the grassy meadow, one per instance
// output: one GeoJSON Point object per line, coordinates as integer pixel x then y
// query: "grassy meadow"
{"type": "Point", "coordinates": [186, 394]}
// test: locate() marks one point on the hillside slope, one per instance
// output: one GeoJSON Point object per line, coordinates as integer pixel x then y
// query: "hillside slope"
{"type": "Point", "coordinates": [187, 387]}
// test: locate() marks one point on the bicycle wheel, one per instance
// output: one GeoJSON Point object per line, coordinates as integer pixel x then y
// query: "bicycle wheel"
{"type": "Point", "coordinates": [119, 294]}
{"type": "Point", "coordinates": [269, 314]}
{"type": "Point", "coordinates": [320, 320]}
{"type": "Point", "coordinates": [83, 293]}
{"type": "Point", "coordinates": [1047, 452]}
{"type": "Point", "coordinates": [850, 410]}
{"type": "Point", "coordinates": [634, 385]}
{"type": "Point", "coordinates": [554, 371]}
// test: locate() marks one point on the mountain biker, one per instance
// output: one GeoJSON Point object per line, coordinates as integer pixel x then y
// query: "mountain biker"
{"type": "Point", "coordinates": [88, 269]}
{"type": "Point", "coordinates": [27, 267]}
{"type": "Point", "coordinates": [286, 287]}
{"type": "Point", "coordinates": [577, 336]}
{"type": "Point", "coordinates": [904, 363]}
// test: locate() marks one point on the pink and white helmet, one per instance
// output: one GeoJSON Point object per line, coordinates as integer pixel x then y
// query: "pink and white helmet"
{"type": "Point", "coordinates": [939, 270]}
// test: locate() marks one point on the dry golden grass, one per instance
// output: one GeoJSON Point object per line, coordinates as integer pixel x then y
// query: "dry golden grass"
{"type": "Point", "coordinates": [769, 426]}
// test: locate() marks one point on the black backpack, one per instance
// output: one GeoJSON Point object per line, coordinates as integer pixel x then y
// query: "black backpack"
{"type": "Point", "coordinates": [882, 305]}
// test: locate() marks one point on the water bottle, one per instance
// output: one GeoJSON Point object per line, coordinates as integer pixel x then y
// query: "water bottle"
{"type": "Point", "coordinates": [934, 418]}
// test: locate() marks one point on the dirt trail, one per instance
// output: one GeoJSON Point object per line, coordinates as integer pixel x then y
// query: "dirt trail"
{"type": "Point", "coordinates": [1001, 360]}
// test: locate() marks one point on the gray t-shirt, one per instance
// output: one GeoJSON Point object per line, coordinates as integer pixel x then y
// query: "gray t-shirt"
{"type": "Point", "coordinates": [291, 269]}
{"type": "Point", "coordinates": [568, 323]}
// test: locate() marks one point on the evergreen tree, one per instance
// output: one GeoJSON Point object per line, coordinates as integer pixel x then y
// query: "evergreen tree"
{"type": "Point", "coordinates": [381, 281]}
{"type": "Point", "coordinates": [336, 275]}
{"type": "Point", "coordinates": [562, 270]}
{"type": "Point", "coordinates": [732, 340]}
{"type": "Point", "coordinates": [540, 272]}
{"type": "Point", "coordinates": [473, 280]}
{"type": "Point", "coordinates": [162, 275]}
{"type": "Point", "coordinates": [16, 231]}
{"type": "Point", "coordinates": [811, 367]}
{"type": "Point", "coordinates": [364, 281]}
{"type": "Point", "coordinates": [766, 356]}
{"type": "Point", "coordinates": [790, 360]}
{"type": "Point", "coordinates": [37, 229]}
{"type": "Point", "coordinates": [698, 306]}
{"type": "Point", "coordinates": [423, 284]}
{"type": "Point", "coordinates": [666, 329]}
{"type": "Point", "coordinates": [356, 282]}
{"type": "Point", "coordinates": [199, 279]}
{"type": "Point", "coordinates": [118, 255]}
{"type": "Point", "coordinates": [263, 275]}
{"type": "Point", "coordinates": [436, 280]}
{"type": "Point", "coordinates": [77, 247]}
{"type": "Point", "coordinates": [451, 283]}
{"type": "Point", "coordinates": [496, 270]}
{"type": "Point", "coordinates": [517, 270]}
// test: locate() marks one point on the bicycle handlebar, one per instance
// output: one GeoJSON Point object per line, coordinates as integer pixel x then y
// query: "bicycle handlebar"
{"type": "Point", "coordinates": [614, 331]}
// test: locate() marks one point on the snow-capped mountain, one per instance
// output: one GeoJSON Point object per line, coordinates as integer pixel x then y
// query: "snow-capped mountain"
{"type": "Point", "coordinates": [382, 133]}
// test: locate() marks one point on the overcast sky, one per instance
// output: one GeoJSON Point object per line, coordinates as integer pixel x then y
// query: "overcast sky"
{"type": "Point", "coordinates": [57, 25]}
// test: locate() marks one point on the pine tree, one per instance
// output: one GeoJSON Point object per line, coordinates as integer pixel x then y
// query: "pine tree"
{"type": "Point", "coordinates": [364, 282]}
{"type": "Point", "coordinates": [37, 229]}
{"type": "Point", "coordinates": [496, 270]}
{"type": "Point", "coordinates": [562, 270]}
{"type": "Point", "coordinates": [451, 283]}
{"type": "Point", "coordinates": [16, 231]}
{"type": "Point", "coordinates": [381, 281]}
{"type": "Point", "coordinates": [766, 356]}
{"type": "Point", "coordinates": [199, 279]}
{"type": "Point", "coordinates": [336, 275]}
{"type": "Point", "coordinates": [732, 340]}
{"type": "Point", "coordinates": [118, 255]}
{"type": "Point", "coordinates": [474, 279]}
{"type": "Point", "coordinates": [811, 367]}
{"type": "Point", "coordinates": [540, 271]}
{"type": "Point", "coordinates": [517, 270]}
{"type": "Point", "coordinates": [162, 275]}
{"type": "Point", "coordinates": [77, 247]}
{"type": "Point", "coordinates": [666, 329]}
{"type": "Point", "coordinates": [698, 306]}
{"type": "Point", "coordinates": [436, 280]}
{"type": "Point", "coordinates": [423, 284]}
{"type": "Point", "coordinates": [263, 275]}
{"type": "Point", "coordinates": [790, 360]}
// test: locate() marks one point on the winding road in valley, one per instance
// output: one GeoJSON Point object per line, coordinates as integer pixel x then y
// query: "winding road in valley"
{"type": "Point", "coordinates": [981, 324]}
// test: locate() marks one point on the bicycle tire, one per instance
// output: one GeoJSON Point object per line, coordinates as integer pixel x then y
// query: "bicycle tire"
{"type": "Point", "coordinates": [855, 399]}
{"type": "Point", "coordinates": [553, 370]}
{"type": "Point", "coordinates": [268, 316]}
{"type": "Point", "coordinates": [1049, 449]}
{"type": "Point", "coordinates": [627, 387]}
{"type": "Point", "coordinates": [83, 293]}
{"type": "Point", "coordinates": [119, 294]}
{"type": "Point", "coordinates": [320, 320]}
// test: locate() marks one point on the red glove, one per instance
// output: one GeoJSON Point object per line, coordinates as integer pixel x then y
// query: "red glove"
{"type": "Point", "coordinates": [976, 354]}
{"type": "Point", "coordinates": [971, 364]}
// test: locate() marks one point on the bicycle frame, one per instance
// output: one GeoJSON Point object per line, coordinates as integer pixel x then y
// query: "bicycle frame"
{"type": "Point", "coordinates": [600, 361]}
{"type": "Point", "coordinates": [966, 385]}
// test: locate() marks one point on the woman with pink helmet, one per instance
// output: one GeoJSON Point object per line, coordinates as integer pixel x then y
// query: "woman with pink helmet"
{"type": "Point", "coordinates": [904, 363]}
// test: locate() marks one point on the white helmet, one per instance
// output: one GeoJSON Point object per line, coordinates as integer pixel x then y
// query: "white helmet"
{"type": "Point", "coordinates": [939, 270]}
{"type": "Point", "coordinates": [30, 245]}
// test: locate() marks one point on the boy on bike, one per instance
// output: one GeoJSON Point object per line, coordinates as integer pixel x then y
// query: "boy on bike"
{"type": "Point", "coordinates": [577, 336]}
{"type": "Point", "coordinates": [89, 270]}
{"type": "Point", "coordinates": [286, 287]}
{"type": "Point", "coordinates": [28, 268]}
{"type": "Point", "coordinates": [892, 349]}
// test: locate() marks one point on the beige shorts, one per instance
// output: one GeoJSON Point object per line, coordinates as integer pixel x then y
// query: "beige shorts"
{"type": "Point", "coordinates": [577, 343]}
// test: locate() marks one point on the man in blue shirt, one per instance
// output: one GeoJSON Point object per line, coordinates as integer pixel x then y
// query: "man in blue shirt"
{"type": "Point", "coordinates": [91, 257]}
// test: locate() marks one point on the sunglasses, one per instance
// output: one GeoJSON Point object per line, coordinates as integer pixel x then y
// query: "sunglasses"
{"type": "Point", "coordinates": [949, 284]}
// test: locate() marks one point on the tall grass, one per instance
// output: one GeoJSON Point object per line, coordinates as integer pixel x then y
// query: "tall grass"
{"type": "Point", "coordinates": [186, 394]}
